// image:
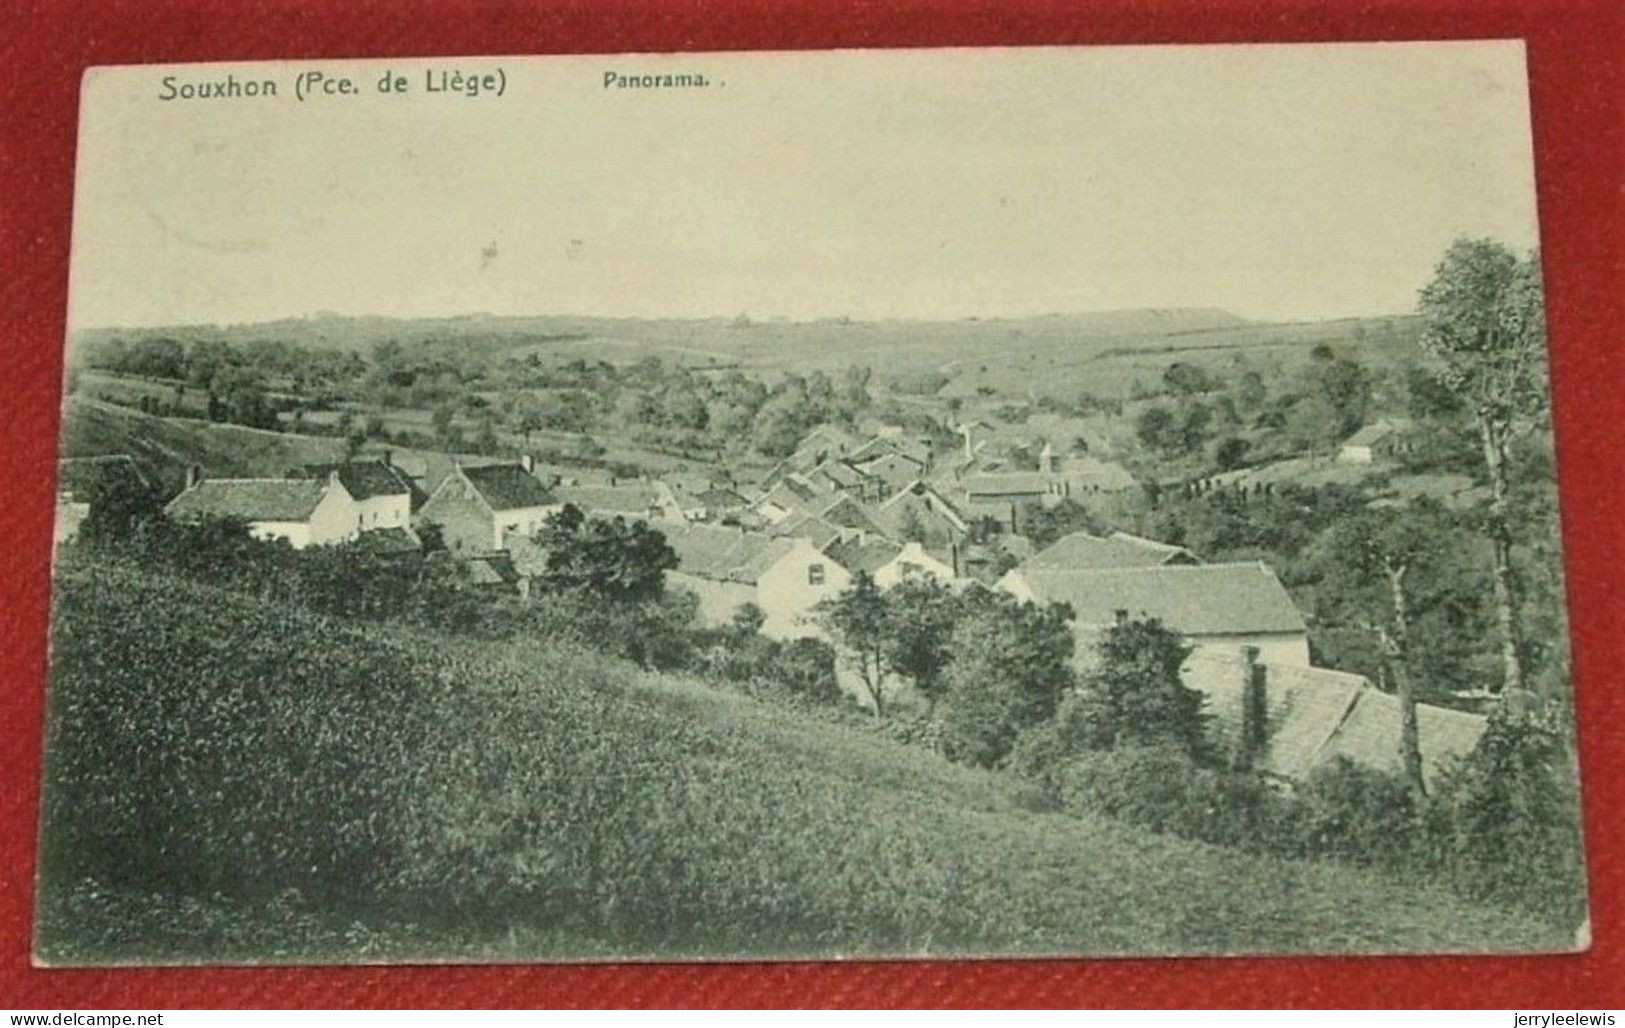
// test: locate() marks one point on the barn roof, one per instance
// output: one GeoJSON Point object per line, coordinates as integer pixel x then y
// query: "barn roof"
{"type": "Point", "coordinates": [1375, 432]}
{"type": "Point", "coordinates": [869, 555]}
{"type": "Point", "coordinates": [507, 486]}
{"type": "Point", "coordinates": [722, 554]}
{"type": "Point", "coordinates": [250, 499]}
{"type": "Point", "coordinates": [79, 477]}
{"type": "Point", "coordinates": [367, 479]}
{"type": "Point", "coordinates": [1082, 550]}
{"type": "Point", "coordinates": [1201, 599]}
{"type": "Point", "coordinates": [1316, 715]}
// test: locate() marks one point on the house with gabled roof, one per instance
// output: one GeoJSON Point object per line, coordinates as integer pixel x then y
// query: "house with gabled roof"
{"type": "Point", "coordinates": [1084, 550]}
{"type": "Point", "coordinates": [729, 567]}
{"type": "Point", "coordinates": [919, 504]}
{"type": "Point", "coordinates": [1214, 606]}
{"type": "Point", "coordinates": [1310, 717]}
{"type": "Point", "coordinates": [303, 511]}
{"type": "Point", "coordinates": [385, 496]}
{"type": "Point", "coordinates": [475, 506]}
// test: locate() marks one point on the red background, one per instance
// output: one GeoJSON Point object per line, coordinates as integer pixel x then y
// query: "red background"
{"type": "Point", "coordinates": [1575, 60]}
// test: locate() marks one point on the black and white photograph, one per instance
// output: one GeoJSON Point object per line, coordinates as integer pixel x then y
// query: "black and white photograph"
{"type": "Point", "coordinates": [983, 502]}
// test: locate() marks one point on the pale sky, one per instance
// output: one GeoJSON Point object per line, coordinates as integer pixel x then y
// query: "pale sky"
{"type": "Point", "coordinates": [1278, 182]}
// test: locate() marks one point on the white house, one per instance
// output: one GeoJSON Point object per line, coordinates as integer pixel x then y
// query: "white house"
{"type": "Point", "coordinates": [304, 511]}
{"type": "Point", "coordinates": [1216, 607]}
{"type": "Point", "coordinates": [729, 567]}
{"type": "Point", "coordinates": [475, 507]}
{"type": "Point", "coordinates": [385, 496]}
{"type": "Point", "coordinates": [1372, 442]}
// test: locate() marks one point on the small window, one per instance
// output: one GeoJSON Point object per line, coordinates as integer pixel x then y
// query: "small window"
{"type": "Point", "coordinates": [815, 574]}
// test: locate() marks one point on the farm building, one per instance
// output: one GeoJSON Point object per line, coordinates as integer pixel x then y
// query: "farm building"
{"type": "Point", "coordinates": [728, 567]}
{"type": "Point", "coordinates": [476, 506]}
{"type": "Point", "coordinates": [1377, 441]}
{"type": "Point", "coordinates": [1082, 550]}
{"type": "Point", "coordinates": [304, 511]}
{"type": "Point", "coordinates": [1215, 606]}
{"type": "Point", "coordinates": [1313, 716]}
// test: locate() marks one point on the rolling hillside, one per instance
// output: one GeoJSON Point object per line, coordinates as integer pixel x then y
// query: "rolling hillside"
{"type": "Point", "coordinates": [595, 809]}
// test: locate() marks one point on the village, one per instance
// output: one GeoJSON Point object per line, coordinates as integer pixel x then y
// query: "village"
{"type": "Point", "coordinates": [889, 505]}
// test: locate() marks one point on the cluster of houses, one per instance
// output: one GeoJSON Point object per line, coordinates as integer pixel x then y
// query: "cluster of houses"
{"type": "Point", "coordinates": [840, 506]}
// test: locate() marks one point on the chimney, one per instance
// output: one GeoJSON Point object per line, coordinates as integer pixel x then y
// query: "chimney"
{"type": "Point", "coordinates": [194, 475]}
{"type": "Point", "coordinates": [527, 462]}
{"type": "Point", "coordinates": [1254, 710]}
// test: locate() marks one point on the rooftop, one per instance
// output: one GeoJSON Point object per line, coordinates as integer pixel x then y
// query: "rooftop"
{"type": "Point", "coordinates": [250, 499]}
{"type": "Point", "coordinates": [367, 479]}
{"type": "Point", "coordinates": [1200, 599]}
{"type": "Point", "coordinates": [507, 486]}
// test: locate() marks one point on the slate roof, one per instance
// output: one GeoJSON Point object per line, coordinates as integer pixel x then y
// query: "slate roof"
{"type": "Point", "coordinates": [250, 499]}
{"type": "Point", "coordinates": [508, 486]}
{"type": "Point", "coordinates": [927, 502]}
{"type": "Point", "coordinates": [367, 479]}
{"type": "Point", "coordinates": [78, 478]}
{"type": "Point", "coordinates": [722, 554]}
{"type": "Point", "coordinates": [840, 473]}
{"type": "Point", "coordinates": [388, 541]}
{"type": "Point", "coordinates": [1081, 550]}
{"type": "Point", "coordinates": [868, 556]}
{"type": "Point", "coordinates": [718, 498]}
{"type": "Point", "coordinates": [1316, 715]}
{"type": "Point", "coordinates": [1202, 599]}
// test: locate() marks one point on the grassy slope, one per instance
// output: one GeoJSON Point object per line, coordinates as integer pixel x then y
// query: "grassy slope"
{"type": "Point", "coordinates": [843, 831]}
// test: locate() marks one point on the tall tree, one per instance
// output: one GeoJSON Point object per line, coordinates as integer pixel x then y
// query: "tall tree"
{"type": "Point", "coordinates": [920, 617]}
{"type": "Point", "coordinates": [856, 620]}
{"type": "Point", "coordinates": [1484, 321]}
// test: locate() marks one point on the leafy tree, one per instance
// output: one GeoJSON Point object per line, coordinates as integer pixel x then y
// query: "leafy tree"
{"type": "Point", "coordinates": [1346, 387]}
{"type": "Point", "coordinates": [623, 561]}
{"type": "Point", "coordinates": [1484, 321]}
{"type": "Point", "coordinates": [1009, 665]}
{"type": "Point", "coordinates": [1134, 692]}
{"type": "Point", "coordinates": [1381, 553]}
{"type": "Point", "coordinates": [856, 620]}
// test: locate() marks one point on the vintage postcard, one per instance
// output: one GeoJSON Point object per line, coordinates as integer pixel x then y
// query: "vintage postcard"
{"type": "Point", "coordinates": [979, 502]}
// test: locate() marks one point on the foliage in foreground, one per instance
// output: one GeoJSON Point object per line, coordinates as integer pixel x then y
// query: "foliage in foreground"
{"type": "Point", "coordinates": [477, 789]}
